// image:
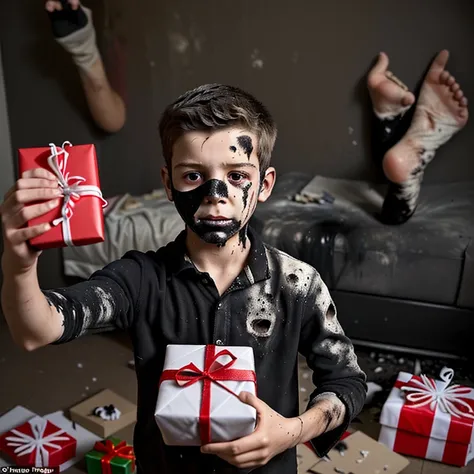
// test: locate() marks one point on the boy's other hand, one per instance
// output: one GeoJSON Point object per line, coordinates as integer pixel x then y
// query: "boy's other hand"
{"type": "Point", "coordinates": [34, 194]}
{"type": "Point", "coordinates": [273, 435]}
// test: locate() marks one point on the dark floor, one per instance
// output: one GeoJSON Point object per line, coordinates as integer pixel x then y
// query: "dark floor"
{"type": "Point", "coordinates": [57, 377]}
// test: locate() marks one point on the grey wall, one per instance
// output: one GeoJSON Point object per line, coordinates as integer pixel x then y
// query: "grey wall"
{"type": "Point", "coordinates": [6, 175]}
{"type": "Point", "coordinates": [6, 162]}
{"type": "Point", "coordinates": [306, 59]}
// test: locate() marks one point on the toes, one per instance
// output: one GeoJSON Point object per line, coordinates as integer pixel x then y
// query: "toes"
{"type": "Point", "coordinates": [382, 63]}
{"type": "Point", "coordinates": [450, 81]}
{"type": "Point", "coordinates": [408, 99]}
{"type": "Point", "coordinates": [380, 67]}
{"type": "Point", "coordinates": [444, 76]}
{"type": "Point", "coordinates": [52, 5]}
{"type": "Point", "coordinates": [458, 94]}
{"type": "Point", "coordinates": [393, 78]}
{"type": "Point", "coordinates": [463, 102]}
{"type": "Point", "coordinates": [441, 59]}
{"type": "Point", "coordinates": [455, 87]}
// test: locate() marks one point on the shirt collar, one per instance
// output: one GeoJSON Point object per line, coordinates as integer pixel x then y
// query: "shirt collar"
{"type": "Point", "coordinates": [257, 263]}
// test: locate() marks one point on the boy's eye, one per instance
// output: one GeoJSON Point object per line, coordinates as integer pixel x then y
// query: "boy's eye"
{"type": "Point", "coordinates": [192, 176]}
{"type": "Point", "coordinates": [236, 176]}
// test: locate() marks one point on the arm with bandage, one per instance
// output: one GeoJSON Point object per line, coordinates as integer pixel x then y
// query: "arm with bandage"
{"type": "Point", "coordinates": [74, 30]}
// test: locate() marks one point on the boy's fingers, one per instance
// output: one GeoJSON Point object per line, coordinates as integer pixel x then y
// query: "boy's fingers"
{"type": "Point", "coordinates": [255, 402]}
{"type": "Point", "coordinates": [23, 235]}
{"type": "Point", "coordinates": [39, 173]}
{"type": "Point", "coordinates": [25, 196]}
{"type": "Point", "coordinates": [250, 459]}
{"type": "Point", "coordinates": [248, 443]}
{"type": "Point", "coordinates": [30, 212]}
{"type": "Point", "coordinates": [39, 183]}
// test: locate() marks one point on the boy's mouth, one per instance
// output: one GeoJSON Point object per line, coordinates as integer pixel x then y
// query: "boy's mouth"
{"type": "Point", "coordinates": [214, 220]}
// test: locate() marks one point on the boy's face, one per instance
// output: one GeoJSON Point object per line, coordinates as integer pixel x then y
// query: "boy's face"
{"type": "Point", "coordinates": [215, 182]}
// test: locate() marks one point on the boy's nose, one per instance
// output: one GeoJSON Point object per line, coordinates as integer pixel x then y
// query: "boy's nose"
{"type": "Point", "coordinates": [216, 191]}
{"type": "Point", "coordinates": [214, 199]}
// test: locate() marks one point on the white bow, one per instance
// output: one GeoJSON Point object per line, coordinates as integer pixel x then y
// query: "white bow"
{"type": "Point", "coordinates": [25, 444]}
{"type": "Point", "coordinates": [427, 391]}
{"type": "Point", "coordinates": [72, 188]}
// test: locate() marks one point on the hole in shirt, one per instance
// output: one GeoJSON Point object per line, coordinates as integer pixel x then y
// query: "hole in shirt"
{"type": "Point", "coordinates": [261, 326]}
{"type": "Point", "coordinates": [331, 312]}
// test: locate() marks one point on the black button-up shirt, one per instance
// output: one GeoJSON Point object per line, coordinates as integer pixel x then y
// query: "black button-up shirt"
{"type": "Point", "coordinates": [277, 305]}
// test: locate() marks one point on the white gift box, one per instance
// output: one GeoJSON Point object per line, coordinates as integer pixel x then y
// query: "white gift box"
{"type": "Point", "coordinates": [181, 407]}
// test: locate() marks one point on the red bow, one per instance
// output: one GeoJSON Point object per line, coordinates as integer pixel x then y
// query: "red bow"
{"type": "Point", "coordinates": [121, 450]}
{"type": "Point", "coordinates": [213, 372]}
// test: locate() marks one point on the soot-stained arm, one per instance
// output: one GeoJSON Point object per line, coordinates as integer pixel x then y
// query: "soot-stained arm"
{"type": "Point", "coordinates": [103, 303]}
{"type": "Point", "coordinates": [340, 383]}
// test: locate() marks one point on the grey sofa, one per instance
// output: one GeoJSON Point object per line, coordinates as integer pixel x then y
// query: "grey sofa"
{"type": "Point", "coordinates": [411, 285]}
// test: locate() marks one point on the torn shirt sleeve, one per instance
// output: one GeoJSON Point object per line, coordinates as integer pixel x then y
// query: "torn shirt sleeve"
{"type": "Point", "coordinates": [104, 302]}
{"type": "Point", "coordinates": [330, 355]}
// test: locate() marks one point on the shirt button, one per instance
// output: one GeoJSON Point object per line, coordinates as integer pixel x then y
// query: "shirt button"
{"type": "Point", "coordinates": [205, 281]}
{"type": "Point", "coordinates": [219, 343]}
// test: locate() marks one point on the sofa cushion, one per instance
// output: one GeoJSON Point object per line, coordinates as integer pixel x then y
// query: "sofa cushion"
{"type": "Point", "coordinates": [423, 259]}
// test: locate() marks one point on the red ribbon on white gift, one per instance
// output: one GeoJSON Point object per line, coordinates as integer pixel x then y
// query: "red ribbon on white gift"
{"type": "Point", "coordinates": [26, 444]}
{"type": "Point", "coordinates": [426, 391]}
{"type": "Point", "coordinates": [71, 186]}
{"type": "Point", "coordinates": [213, 372]}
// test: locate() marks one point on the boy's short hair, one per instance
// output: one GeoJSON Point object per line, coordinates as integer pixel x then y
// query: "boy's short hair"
{"type": "Point", "coordinates": [214, 106]}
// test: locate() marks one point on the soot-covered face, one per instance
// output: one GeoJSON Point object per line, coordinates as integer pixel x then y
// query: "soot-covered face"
{"type": "Point", "coordinates": [215, 182]}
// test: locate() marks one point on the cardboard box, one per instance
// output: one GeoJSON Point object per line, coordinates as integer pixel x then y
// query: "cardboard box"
{"type": "Point", "coordinates": [362, 455]}
{"type": "Point", "coordinates": [83, 413]}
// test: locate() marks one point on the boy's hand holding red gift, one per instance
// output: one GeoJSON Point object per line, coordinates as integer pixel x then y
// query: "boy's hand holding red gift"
{"type": "Point", "coordinates": [35, 186]}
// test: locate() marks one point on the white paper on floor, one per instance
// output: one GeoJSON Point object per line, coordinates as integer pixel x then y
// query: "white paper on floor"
{"type": "Point", "coordinates": [372, 389]}
{"type": "Point", "coordinates": [85, 439]}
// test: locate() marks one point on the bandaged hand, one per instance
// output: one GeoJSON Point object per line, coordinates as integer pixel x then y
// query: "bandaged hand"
{"type": "Point", "coordinates": [73, 29]}
{"type": "Point", "coordinates": [273, 435]}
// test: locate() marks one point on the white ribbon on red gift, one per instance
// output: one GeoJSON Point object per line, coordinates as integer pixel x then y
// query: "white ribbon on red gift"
{"type": "Point", "coordinates": [26, 444]}
{"type": "Point", "coordinates": [71, 186]}
{"type": "Point", "coordinates": [429, 418]}
{"type": "Point", "coordinates": [426, 391]}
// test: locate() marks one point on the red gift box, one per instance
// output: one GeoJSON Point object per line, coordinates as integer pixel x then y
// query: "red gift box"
{"type": "Point", "coordinates": [429, 419]}
{"type": "Point", "coordinates": [79, 219]}
{"type": "Point", "coordinates": [38, 443]}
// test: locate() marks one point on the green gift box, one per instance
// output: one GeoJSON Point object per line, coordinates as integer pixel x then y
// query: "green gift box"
{"type": "Point", "coordinates": [110, 456]}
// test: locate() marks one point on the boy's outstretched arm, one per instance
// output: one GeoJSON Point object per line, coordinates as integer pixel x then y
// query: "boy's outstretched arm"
{"type": "Point", "coordinates": [74, 30]}
{"type": "Point", "coordinates": [35, 317]}
{"type": "Point", "coordinates": [340, 383]}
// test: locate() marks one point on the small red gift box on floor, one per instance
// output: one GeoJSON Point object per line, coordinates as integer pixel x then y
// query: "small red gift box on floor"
{"type": "Point", "coordinates": [429, 419]}
{"type": "Point", "coordinates": [38, 443]}
{"type": "Point", "coordinates": [79, 219]}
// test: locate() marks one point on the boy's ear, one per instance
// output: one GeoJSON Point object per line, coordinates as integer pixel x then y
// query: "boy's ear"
{"type": "Point", "coordinates": [166, 178]}
{"type": "Point", "coordinates": [266, 186]}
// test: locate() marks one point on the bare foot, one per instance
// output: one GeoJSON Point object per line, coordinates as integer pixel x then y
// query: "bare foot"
{"type": "Point", "coordinates": [390, 96]}
{"type": "Point", "coordinates": [441, 111]}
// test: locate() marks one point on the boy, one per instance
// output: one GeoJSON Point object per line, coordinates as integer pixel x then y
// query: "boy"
{"type": "Point", "coordinates": [217, 283]}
